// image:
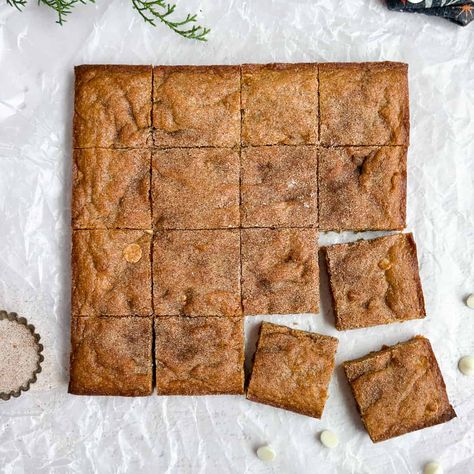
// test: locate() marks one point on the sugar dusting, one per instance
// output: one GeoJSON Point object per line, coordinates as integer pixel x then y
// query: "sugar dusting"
{"type": "Point", "coordinates": [18, 355]}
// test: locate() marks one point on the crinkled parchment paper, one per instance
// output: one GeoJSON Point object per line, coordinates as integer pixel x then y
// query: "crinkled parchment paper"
{"type": "Point", "coordinates": [48, 431]}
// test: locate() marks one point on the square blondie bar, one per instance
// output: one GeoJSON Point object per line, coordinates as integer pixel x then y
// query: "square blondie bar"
{"type": "Point", "coordinates": [399, 389]}
{"type": "Point", "coordinates": [199, 356]}
{"type": "Point", "coordinates": [292, 369]}
{"type": "Point", "coordinates": [111, 273]}
{"type": "Point", "coordinates": [197, 273]}
{"type": "Point", "coordinates": [195, 188]}
{"type": "Point", "coordinates": [111, 356]}
{"type": "Point", "coordinates": [112, 106]}
{"type": "Point", "coordinates": [280, 272]}
{"type": "Point", "coordinates": [375, 281]}
{"type": "Point", "coordinates": [364, 104]}
{"type": "Point", "coordinates": [362, 188]}
{"type": "Point", "coordinates": [279, 186]}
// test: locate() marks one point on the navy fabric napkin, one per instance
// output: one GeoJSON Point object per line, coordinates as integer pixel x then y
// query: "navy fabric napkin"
{"type": "Point", "coordinates": [457, 11]}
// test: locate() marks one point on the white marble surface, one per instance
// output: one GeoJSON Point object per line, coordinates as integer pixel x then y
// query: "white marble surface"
{"type": "Point", "coordinates": [48, 431]}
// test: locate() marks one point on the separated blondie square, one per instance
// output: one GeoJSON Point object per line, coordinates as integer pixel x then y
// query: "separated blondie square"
{"type": "Point", "coordinates": [112, 106]}
{"type": "Point", "coordinates": [362, 188]}
{"type": "Point", "coordinates": [197, 273]}
{"type": "Point", "coordinates": [364, 104]}
{"type": "Point", "coordinates": [375, 281]}
{"type": "Point", "coordinates": [399, 389]}
{"type": "Point", "coordinates": [196, 188]}
{"type": "Point", "coordinates": [111, 273]}
{"type": "Point", "coordinates": [111, 356]}
{"type": "Point", "coordinates": [111, 189]}
{"type": "Point", "coordinates": [292, 369]}
{"type": "Point", "coordinates": [199, 356]}
{"type": "Point", "coordinates": [280, 271]}
{"type": "Point", "coordinates": [196, 106]}
{"type": "Point", "coordinates": [279, 186]}
{"type": "Point", "coordinates": [279, 104]}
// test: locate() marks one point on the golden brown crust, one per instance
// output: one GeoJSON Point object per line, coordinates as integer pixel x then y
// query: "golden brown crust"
{"type": "Point", "coordinates": [112, 106]}
{"type": "Point", "coordinates": [195, 188]}
{"type": "Point", "coordinates": [364, 104]}
{"type": "Point", "coordinates": [110, 189]}
{"type": "Point", "coordinates": [111, 273]}
{"type": "Point", "coordinates": [399, 389]}
{"type": "Point", "coordinates": [111, 356]}
{"type": "Point", "coordinates": [197, 273]}
{"type": "Point", "coordinates": [279, 104]}
{"type": "Point", "coordinates": [280, 271]}
{"type": "Point", "coordinates": [375, 282]}
{"type": "Point", "coordinates": [279, 186]}
{"type": "Point", "coordinates": [199, 356]}
{"type": "Point", "coordinates": [362, 188]}
{"type": "Point", "coordinates": [292, 369]}
{"type": "Point", "coordinates": [196, 106]}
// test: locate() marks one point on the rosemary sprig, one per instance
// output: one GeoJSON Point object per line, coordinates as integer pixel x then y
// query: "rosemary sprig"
{"type": "Point", "coordinates": [150, 10]}
{"type": "Point", "coordinates": [160, 10]}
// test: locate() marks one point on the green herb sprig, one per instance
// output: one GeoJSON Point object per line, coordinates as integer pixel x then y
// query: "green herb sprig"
{"type": "Point", "coordinates": [152, 12]}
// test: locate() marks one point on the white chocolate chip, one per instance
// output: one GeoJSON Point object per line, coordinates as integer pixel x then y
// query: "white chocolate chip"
{"type": "Point", "coordinates": [329, 439]}
{"type": "Point", "coordinates": [266, 453]}
{"type": "Point", "coordinates": [466, 365]}
{"type": "Point", "coordinates": [470, 301]}
{"type": "Point", "coordinates": [132, 253]}
{"type": "Point", "coordinates": [433, 468]}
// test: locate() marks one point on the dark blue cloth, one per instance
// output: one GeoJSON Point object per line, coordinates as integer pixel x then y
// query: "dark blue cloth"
{"type": "Point", "coordinates": [457, 11]}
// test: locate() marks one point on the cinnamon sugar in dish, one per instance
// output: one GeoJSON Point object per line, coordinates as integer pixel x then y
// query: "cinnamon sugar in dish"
{"type": "Point", "coordinates": [20, 355]}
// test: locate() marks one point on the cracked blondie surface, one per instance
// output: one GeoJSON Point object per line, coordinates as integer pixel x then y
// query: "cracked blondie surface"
{"type": "Point", "coordinates": [399, 389]}
{"type": "Point", "coordinates": [111, 356]}
{"type": "Point", "coordinates": [364, 104]}
{"type": "Point", "coordinates": [375, 281]}
{"type": "Point", "coordinates": [279, 104]}
{"type": "Point", "coordinates": [199, 356]}
{"type": "Point", "coordinates": [111, 273]}
{"type": "Point", "coordinates": [292, 369]}
{"type": "Point", "coordinates": [111, 189]}
{"type": "Point", "coordinates": [195, 188]}
{"type": "Point", "coordinates": [280, 272]}
{"type": "Point", "coordinates": [362, 188]}
{"type": "Point", "coordinates": [279, 186]}
{"type": "Point", "coordinates": [197, 273]}
{"type": "Point", "coordinates": [196, 106]}
{"type": "Point", "coordinates": [112, 106]}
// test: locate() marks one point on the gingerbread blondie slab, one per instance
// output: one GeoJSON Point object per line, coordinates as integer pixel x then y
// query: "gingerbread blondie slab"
{"type": "Point", "coordinates": [375, 281]}
{"type": "Point", "coordinates": [364, 104]}
{"type": "Point", "coordinates": [111, 356]}
{"type": "Point", "coordinates": [399, 389]}
{"type": "Point", "coordinates": [292, 369]}
{"type": "Point", "coordinates": [197, 273]}
{"type": "Point", "coordinates": [279, 104]}
{"type": "Point", "coordinates": [280, 271]}
{"type": "Point", "coordinates": [111, 273]}
{"type": "Point", "coordinates": [199, 356]}
{"type": "Point", "coordinates": [362, 188]}
{"type": "Point", "coordinates": [195, 188]}
{"type": "Point", "coordinates": [196, 106]}
{"type": "Point", "coordinates": [111, 189]}
{"type": "Point", "coordinates": [112, 106]}
{"type": "Point", "coordinates": [279, 186]}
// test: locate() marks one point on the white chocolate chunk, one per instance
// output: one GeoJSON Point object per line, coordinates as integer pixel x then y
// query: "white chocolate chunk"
{"type": "Point", "coordinates": [470, 301]}
{"type": "Point", "coordinates": [132, 253]}
{"type": "Point", "coordinates": [466, 365]}
{"type": "Point", "coordinates": [433, 468]}
{"type": "Point", "coordinates": [329, 439]}
{"type": "Point", "coordinates": [266, 453]}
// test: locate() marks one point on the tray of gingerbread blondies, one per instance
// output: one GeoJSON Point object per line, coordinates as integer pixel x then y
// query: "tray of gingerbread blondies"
{"type": "Point", "coordinates": [241, 258]}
